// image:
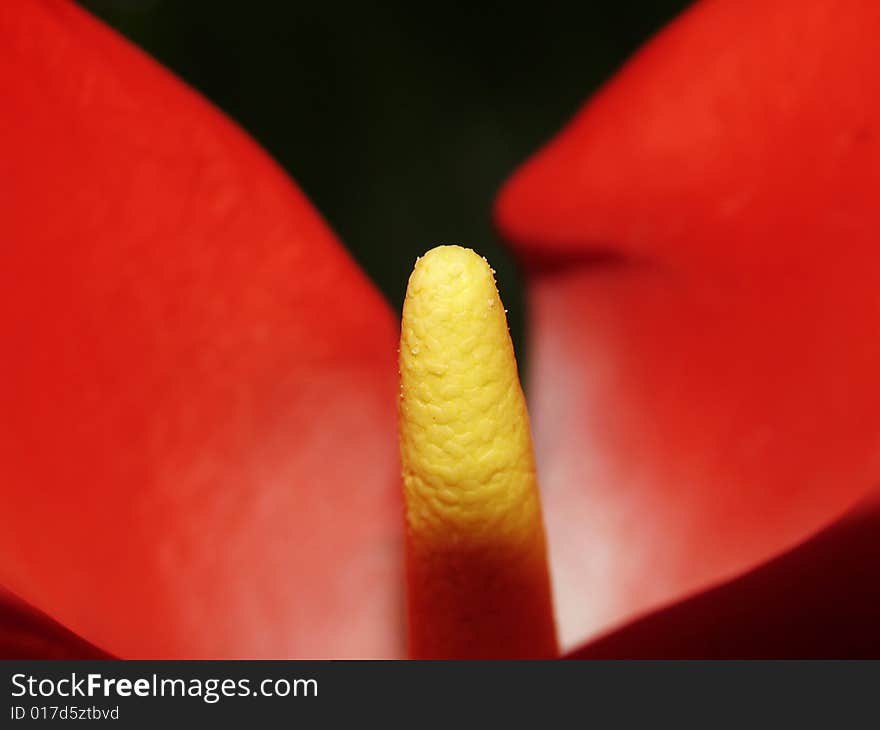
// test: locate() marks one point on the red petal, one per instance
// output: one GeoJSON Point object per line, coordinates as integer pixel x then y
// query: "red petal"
{"type": "Point", "coordinates": [818, 601]}
{"type": "Point", "coordinates": [705, 375]}
{"type": "Point", "coordinates": [198, 385]}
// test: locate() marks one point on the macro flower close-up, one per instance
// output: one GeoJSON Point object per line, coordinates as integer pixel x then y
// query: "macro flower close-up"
{"type": "Point", "coordinates": [220, 440]}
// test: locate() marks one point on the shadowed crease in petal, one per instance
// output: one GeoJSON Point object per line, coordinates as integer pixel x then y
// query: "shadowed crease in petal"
{"type": "Point", "coordinates": [701, 242]}
{"type": "Point", "coordinates": [817, 601]}
{"type": "Point", "coordinates": [197, 448]}
{"type": "Point", "coordinates": [26, 633]}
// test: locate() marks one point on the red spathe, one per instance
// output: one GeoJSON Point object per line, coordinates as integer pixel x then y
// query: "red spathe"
{"type": "Point", "coordinates": [197, 446]}
{"type": "Point", "coordinates": [704, 275]}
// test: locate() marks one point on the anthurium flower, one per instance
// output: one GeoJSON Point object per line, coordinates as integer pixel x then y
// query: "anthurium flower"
{"type": "Point", "coordinates": [200, 390]}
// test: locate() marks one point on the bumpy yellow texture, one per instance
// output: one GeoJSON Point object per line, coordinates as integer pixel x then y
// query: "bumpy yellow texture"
{"type": "Point", "coordinates": [468, 469]}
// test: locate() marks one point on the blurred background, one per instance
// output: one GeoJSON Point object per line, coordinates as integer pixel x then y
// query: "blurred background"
{"type": "Point", "coordinates": [399, 120]}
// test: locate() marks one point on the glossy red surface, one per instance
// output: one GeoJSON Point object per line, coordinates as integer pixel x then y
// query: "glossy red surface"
{"type": "Point", "coordinates": [702, 248]}
{"type": "Point", "coordinates": [197, 446]}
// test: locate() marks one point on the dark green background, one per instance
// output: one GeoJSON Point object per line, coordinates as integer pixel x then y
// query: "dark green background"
{"type": "Point", "coordinates": [400, 119]}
